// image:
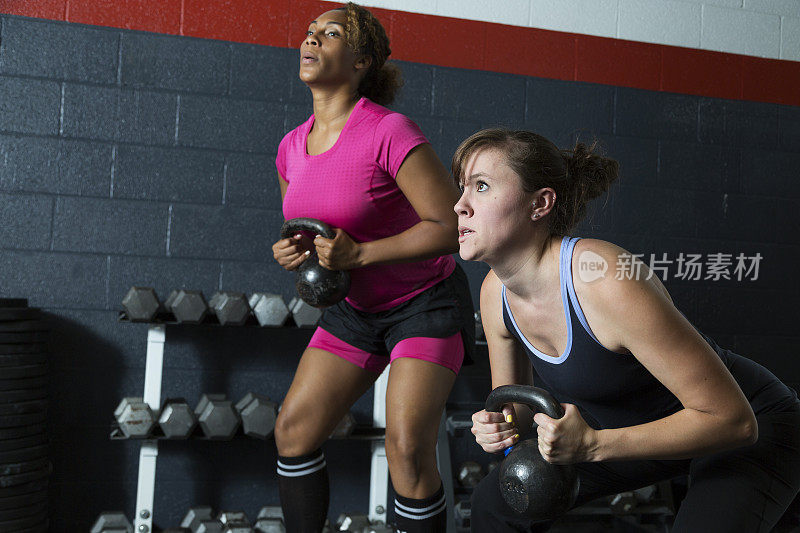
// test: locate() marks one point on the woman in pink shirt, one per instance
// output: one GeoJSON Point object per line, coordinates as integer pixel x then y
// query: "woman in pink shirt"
{"type": "Point", "coordinates": [371, 174]}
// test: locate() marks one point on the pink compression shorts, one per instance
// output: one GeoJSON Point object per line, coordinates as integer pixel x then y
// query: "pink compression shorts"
{"type": "Point", "coordinates": [447, 352]}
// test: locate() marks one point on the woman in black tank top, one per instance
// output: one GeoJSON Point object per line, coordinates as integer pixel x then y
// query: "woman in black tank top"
{"type": "Point", "coordinates": [647, 396]}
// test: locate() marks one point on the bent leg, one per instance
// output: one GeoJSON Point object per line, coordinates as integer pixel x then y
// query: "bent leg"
{"type": "Point", "coordinates": [746, 490]}
{"type": "Point", "coordinates": [415, 398]}
{"type": "Point", "coordinates": [324, 387]}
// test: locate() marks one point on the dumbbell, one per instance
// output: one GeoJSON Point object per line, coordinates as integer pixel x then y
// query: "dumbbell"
{"type": "Point", "coordinates": [269, 309]}
{"type": "Point", "coordinates": [463, 513]}
{"type": "Point", "coordinates": [234, 522]}
{"type": "Point", "coordinates": [201, 520]}
{"type": "Point", "coordinates": [305, 316]}
{"type": "Point", "coordinates": [134, 417]}
{"type": "Point", "coordinates": [177, 420]}
{"type": "Point", "coordinates": [217, 417]}
{"type": "Point", "coordinates": [188, 307]}
{"type": "Point", "coordinates": [231, 308]}
{"type": "Point", "coordinates": [345, 427]}
{"type": "Point", "coordinates": [141, 304]}
{"type": "Point", "coordinates": [258, 415]}
{"type": "Point", "coordinates": [458, 423]}
{"type": "Point", "coordinates": [352, 522]}
{"type": "Point", "coordinates": [112, 522]}
{"type": "Point", "coordinates": [270, 520]}
{"type": "Point", "coordinates": [469, 474]}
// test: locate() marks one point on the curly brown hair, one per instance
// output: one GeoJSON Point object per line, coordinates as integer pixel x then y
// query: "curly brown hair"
{"type": "Point", "coordinates": [366, 35]}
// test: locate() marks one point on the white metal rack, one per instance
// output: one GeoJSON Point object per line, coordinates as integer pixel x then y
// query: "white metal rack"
{"type": "Point", "coordinates": [379, 468]}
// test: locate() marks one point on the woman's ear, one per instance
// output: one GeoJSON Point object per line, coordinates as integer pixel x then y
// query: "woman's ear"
{"type": "Point", "coordinates": [363, 62]}
{"type": "Point", "coordinates": [542, 203]}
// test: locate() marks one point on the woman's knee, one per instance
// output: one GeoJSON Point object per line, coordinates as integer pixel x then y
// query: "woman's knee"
{"type": "Point", "coordinates": [292, 436]}
{"type": "Point", "coordinates": [409, 454]}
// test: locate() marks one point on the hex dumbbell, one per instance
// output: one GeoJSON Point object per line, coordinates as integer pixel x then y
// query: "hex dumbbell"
{"type": "Point", "coordinates": [258, 415]}
{"type": "Point", "coordinates": [305, 316]}
{"type": "Point", "coordinates": [352, 522]}
{"type": "Point", "coordinates": [188, 307]}
{"type": "Point", "coordinates": [177, 420]}
{"type": "Point", "coordinates": [134, 417]}
{"type": "Point", "coordinates": [230, 308]}
{"type": "Point", "coordinates": [201, 520]}
{"type": "Point", "coordinates": [112, 522]}
{"type": "Point", "coordinates": [469, 473]}
{"type": "Point", "coordinates": [269, 309]}
{"type": "Point", "coordinates": [141, 304]}
{"type": "Point", "coordinates": [234, 522]}
{"type": "Point", "coordinates": [270, 520]}
{"type": "Point", "coordinates": [217, 417]}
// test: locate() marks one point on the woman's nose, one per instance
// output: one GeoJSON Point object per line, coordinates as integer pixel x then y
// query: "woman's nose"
{"type": "Point", "coordinates": [462, 206]}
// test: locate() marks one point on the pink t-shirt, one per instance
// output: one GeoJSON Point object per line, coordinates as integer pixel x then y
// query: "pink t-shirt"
{"type": "Point", "coordinates": [352, 186]}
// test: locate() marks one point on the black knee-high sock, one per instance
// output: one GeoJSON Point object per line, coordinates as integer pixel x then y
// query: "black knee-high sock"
{"type": "Point", "coordinates": [428, 515]}
{"type": "Point", "coordinates": [303, 486]}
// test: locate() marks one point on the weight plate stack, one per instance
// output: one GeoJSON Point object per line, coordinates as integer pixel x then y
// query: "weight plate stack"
{"type": "Point", "coordinates": [25, 465]}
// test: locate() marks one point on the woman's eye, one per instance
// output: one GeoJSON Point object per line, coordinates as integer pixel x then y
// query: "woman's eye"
{"type": "Point", "coordinates": [309, 32]}
{"type": "Point", "coordinates": [333, 34]}
{"type": "Point", "coordinates": [480, 186]}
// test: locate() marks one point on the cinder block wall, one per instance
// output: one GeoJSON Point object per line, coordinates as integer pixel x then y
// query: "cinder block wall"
{"type": "Point", "coordinates": [129, 157]}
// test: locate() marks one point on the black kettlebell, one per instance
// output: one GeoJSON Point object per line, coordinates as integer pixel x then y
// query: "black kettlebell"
{"type": "Point", "coordinates": [315, 284]}
{"type": "Point", "coordinates": [529, 484]}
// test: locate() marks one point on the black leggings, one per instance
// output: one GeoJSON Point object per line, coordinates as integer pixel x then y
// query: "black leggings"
{"type": "Point", "coordinates": [745, 490]}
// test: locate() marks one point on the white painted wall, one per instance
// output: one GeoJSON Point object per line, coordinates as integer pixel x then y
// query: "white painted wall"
{"type": "Point", "coordinates": [763, 28]}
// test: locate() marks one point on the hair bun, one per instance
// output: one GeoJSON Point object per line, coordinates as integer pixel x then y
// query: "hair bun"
{"type": "Point", "coordinates": [589, 173]}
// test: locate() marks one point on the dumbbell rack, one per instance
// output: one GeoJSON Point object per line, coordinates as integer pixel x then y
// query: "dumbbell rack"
{"type": "Point", "coordinates": [379, 467]}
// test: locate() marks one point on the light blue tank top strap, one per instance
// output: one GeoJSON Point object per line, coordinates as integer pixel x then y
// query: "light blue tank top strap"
{"type": "Point", "coordinates": [563, 275]}
{"type": "Point", "coordinates": [566, 263]}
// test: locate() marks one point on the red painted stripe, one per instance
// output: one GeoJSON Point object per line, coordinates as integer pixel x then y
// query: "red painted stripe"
{"type": "Point", "coordinates": [452, 43]}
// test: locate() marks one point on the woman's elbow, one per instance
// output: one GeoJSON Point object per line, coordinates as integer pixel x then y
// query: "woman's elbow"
{"type": "Point", "coordinates": [749, 430]}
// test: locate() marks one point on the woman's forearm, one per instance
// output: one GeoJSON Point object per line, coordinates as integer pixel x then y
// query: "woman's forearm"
{"type": "Point", "coordinates": [685, 434]}
{"type": "Point", "coordinates": [424, 240]}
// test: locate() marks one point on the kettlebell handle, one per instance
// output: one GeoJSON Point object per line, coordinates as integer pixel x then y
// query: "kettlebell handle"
{"type": "Point", "coordinates": [537, 399]}
{"type": "Point", "coordinates": [317, 227]}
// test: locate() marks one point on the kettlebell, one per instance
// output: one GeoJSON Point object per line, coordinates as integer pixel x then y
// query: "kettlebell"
{"type": "Point", "coordinates": [316, 285]}
{"type": "Point", "coordinates": [530, 485]}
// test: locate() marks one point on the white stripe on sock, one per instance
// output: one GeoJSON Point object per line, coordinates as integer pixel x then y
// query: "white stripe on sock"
{"type": "Point", "coordinates": [301, 465]}
{"type": "Point", "coordinates": [420, 517]}
{"type": "Point", "coordinates": [286, 473]}
{"type": "Point", "coordinates": [418, 509]}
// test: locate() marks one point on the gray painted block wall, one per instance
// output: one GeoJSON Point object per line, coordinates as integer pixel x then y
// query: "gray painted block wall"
{"type": "Point", "coordinates": [135, 158]}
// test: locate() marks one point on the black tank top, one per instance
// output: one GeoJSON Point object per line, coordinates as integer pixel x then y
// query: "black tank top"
{"type": "Point", "coordinates": [615, 390]}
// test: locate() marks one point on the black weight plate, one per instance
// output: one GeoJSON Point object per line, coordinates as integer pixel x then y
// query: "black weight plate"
{"type": "Point", "coordinates": [10, 421]}
{"type": "Point", "coordinates": [8, 445]}
{"type": "Point", "coordinates": [23, 359]}
{"type": "Point", "coordinates": [24, 338]}
{"type": "Point", "coordinates": [23, 384]}
{"type": "Point", "coordinates": [21, 468]}
{"type": "Point", "coordinates": [21, 431]}
{"type": "Point", "coordinates": [37, 509]}
{"type": "Point", "coordinates": [23, 408]}
{"type": "Point", "coordinates": [13, 302]}
{"type": "Point", "coordinates": [23, 371]}
{"type": "Point", "coordinates": [16, 349]}
{"type": "Point", "coordinates": [23, 395]}
{"type": "Point", "coordinates": [28, 454]}
{"type": "Point", "coordinates": [22, 500]}
{"type": "Point", "coordinates": [20, 523]}
{"type": "Point", "coordinates": [28, 313]}
{"type": "Point", "coordinates": [25, 488]}
{"type": "Point", "coordinates": [18, 326]}
{"type": "Point", "coordinates": [12, 480]}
